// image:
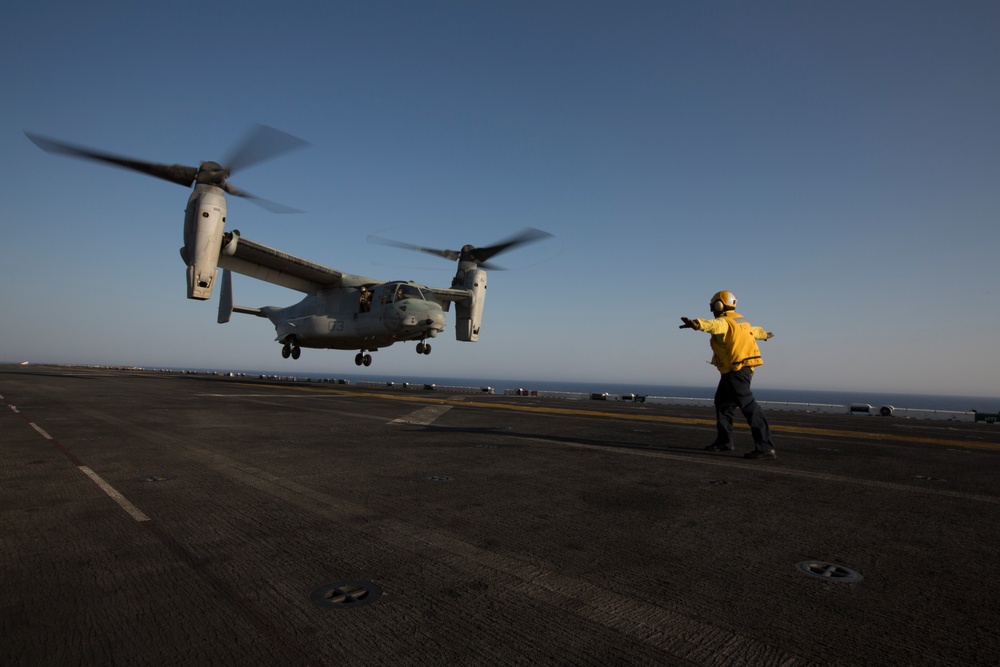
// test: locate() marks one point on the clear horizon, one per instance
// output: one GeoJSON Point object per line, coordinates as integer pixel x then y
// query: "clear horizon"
{"type": "Point", "coordinates": [958, 402]}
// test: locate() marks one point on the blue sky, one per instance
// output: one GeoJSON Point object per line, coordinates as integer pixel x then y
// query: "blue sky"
{"type": "Point", "coordinates": [835, 164]}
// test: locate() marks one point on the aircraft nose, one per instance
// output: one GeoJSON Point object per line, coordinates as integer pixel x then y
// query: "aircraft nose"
{"type": "Point", "coordinates": [436, 321]}
{"type": "Point", "coordinates": [426, 320]}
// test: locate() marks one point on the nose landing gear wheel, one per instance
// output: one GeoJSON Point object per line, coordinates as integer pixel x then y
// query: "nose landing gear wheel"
{"type": "Point", "coordinates": [363, 359]}
{"type": "Point", "coordinates": [423, 348]}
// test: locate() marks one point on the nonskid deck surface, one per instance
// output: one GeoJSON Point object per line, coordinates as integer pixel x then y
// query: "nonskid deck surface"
{"type": "Point", "coordinates": [173, 519]}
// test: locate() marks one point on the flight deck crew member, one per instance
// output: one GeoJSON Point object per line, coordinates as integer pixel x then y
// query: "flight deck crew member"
{"type": "Point", "coordinates": [735, 354]}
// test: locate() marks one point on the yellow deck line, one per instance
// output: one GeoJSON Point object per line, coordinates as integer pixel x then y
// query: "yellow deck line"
{"type": "Point", "coordinates": [803, 430]}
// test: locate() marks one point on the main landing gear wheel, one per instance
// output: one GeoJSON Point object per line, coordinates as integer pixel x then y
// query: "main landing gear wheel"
{"type": "Point", "coordinates": [423, 348]}
{"type": "Point", "coordinates": [292, 350]}
{"type": "Point", "coordinates": [363, 359]}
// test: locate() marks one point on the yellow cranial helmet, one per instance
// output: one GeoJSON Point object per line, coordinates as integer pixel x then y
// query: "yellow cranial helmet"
{"type": "Point", "coordinates": [722, 301]}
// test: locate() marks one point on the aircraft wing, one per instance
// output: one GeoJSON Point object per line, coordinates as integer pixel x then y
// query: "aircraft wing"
{"type": "Point", "coordinates": [259, 261]}
{"type": "Point", "coordinates": [446, 295]}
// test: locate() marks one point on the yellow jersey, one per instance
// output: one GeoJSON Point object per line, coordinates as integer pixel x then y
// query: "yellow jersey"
{"type": "Point", "coordinates": [734, 341]}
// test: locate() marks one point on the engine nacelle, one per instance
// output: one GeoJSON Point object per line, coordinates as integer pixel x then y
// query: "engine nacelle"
{"type": "Point", "coordinates": [204, 223]}
{"type": "Point", "coordinates": [469, 314]}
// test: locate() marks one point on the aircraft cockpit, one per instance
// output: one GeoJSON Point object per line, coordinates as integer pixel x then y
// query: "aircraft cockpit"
{"type": "Point", "coordinates": [402, 291]}
{"type": "Point", "coordinates": [396, 292]}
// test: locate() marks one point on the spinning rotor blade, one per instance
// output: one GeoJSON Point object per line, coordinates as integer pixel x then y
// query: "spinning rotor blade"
{"type": "Point", "coordinates": [273, 207]}
{"type": "Point", "coordinates": [260, 144]}
{"type": "Point", "coordinates": [174, 173]}
{"type": "Point", "coordinates": [529, 235]}
{"type": "Point", "coordinates": [447, 254]}
{"type": "Point", "coordinates": [471, 253]}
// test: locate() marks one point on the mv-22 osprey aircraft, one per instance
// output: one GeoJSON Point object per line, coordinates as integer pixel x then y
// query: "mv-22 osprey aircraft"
{"type": "Point", "coordinates": [340, 311]}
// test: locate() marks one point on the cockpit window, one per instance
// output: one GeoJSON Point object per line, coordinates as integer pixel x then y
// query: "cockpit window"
{"type": "Point", "coordinates": [405, 291]}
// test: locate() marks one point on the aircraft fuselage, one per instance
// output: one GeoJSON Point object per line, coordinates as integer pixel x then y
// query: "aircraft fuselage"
{"type": "Point", "coordinates": [339, 319]}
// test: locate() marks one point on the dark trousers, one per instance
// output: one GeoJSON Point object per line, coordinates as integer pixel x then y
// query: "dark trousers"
{"type": "Point", "coordinates": [734, 392]}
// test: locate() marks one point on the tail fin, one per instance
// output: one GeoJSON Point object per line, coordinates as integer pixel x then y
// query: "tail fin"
{"type": "Point", "coordinates": [226, 297]}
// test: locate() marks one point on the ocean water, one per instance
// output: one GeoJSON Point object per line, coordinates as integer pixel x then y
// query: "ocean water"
{"type": "Point", "coordinates": [895, 399]}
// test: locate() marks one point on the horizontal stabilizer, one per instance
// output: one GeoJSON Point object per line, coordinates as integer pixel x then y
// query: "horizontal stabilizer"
{"type": "Point", "coordinates": [226, 307]}
{"type": "Point", "coordinates": [249, 311]}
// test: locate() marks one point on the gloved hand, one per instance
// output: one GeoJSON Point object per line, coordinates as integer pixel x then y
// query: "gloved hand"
{"type": "Point", "coordinates": [688, 324]}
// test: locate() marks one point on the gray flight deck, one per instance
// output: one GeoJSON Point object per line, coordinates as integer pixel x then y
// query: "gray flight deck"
{"type": "Point", "coordinates": [168, 519]}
